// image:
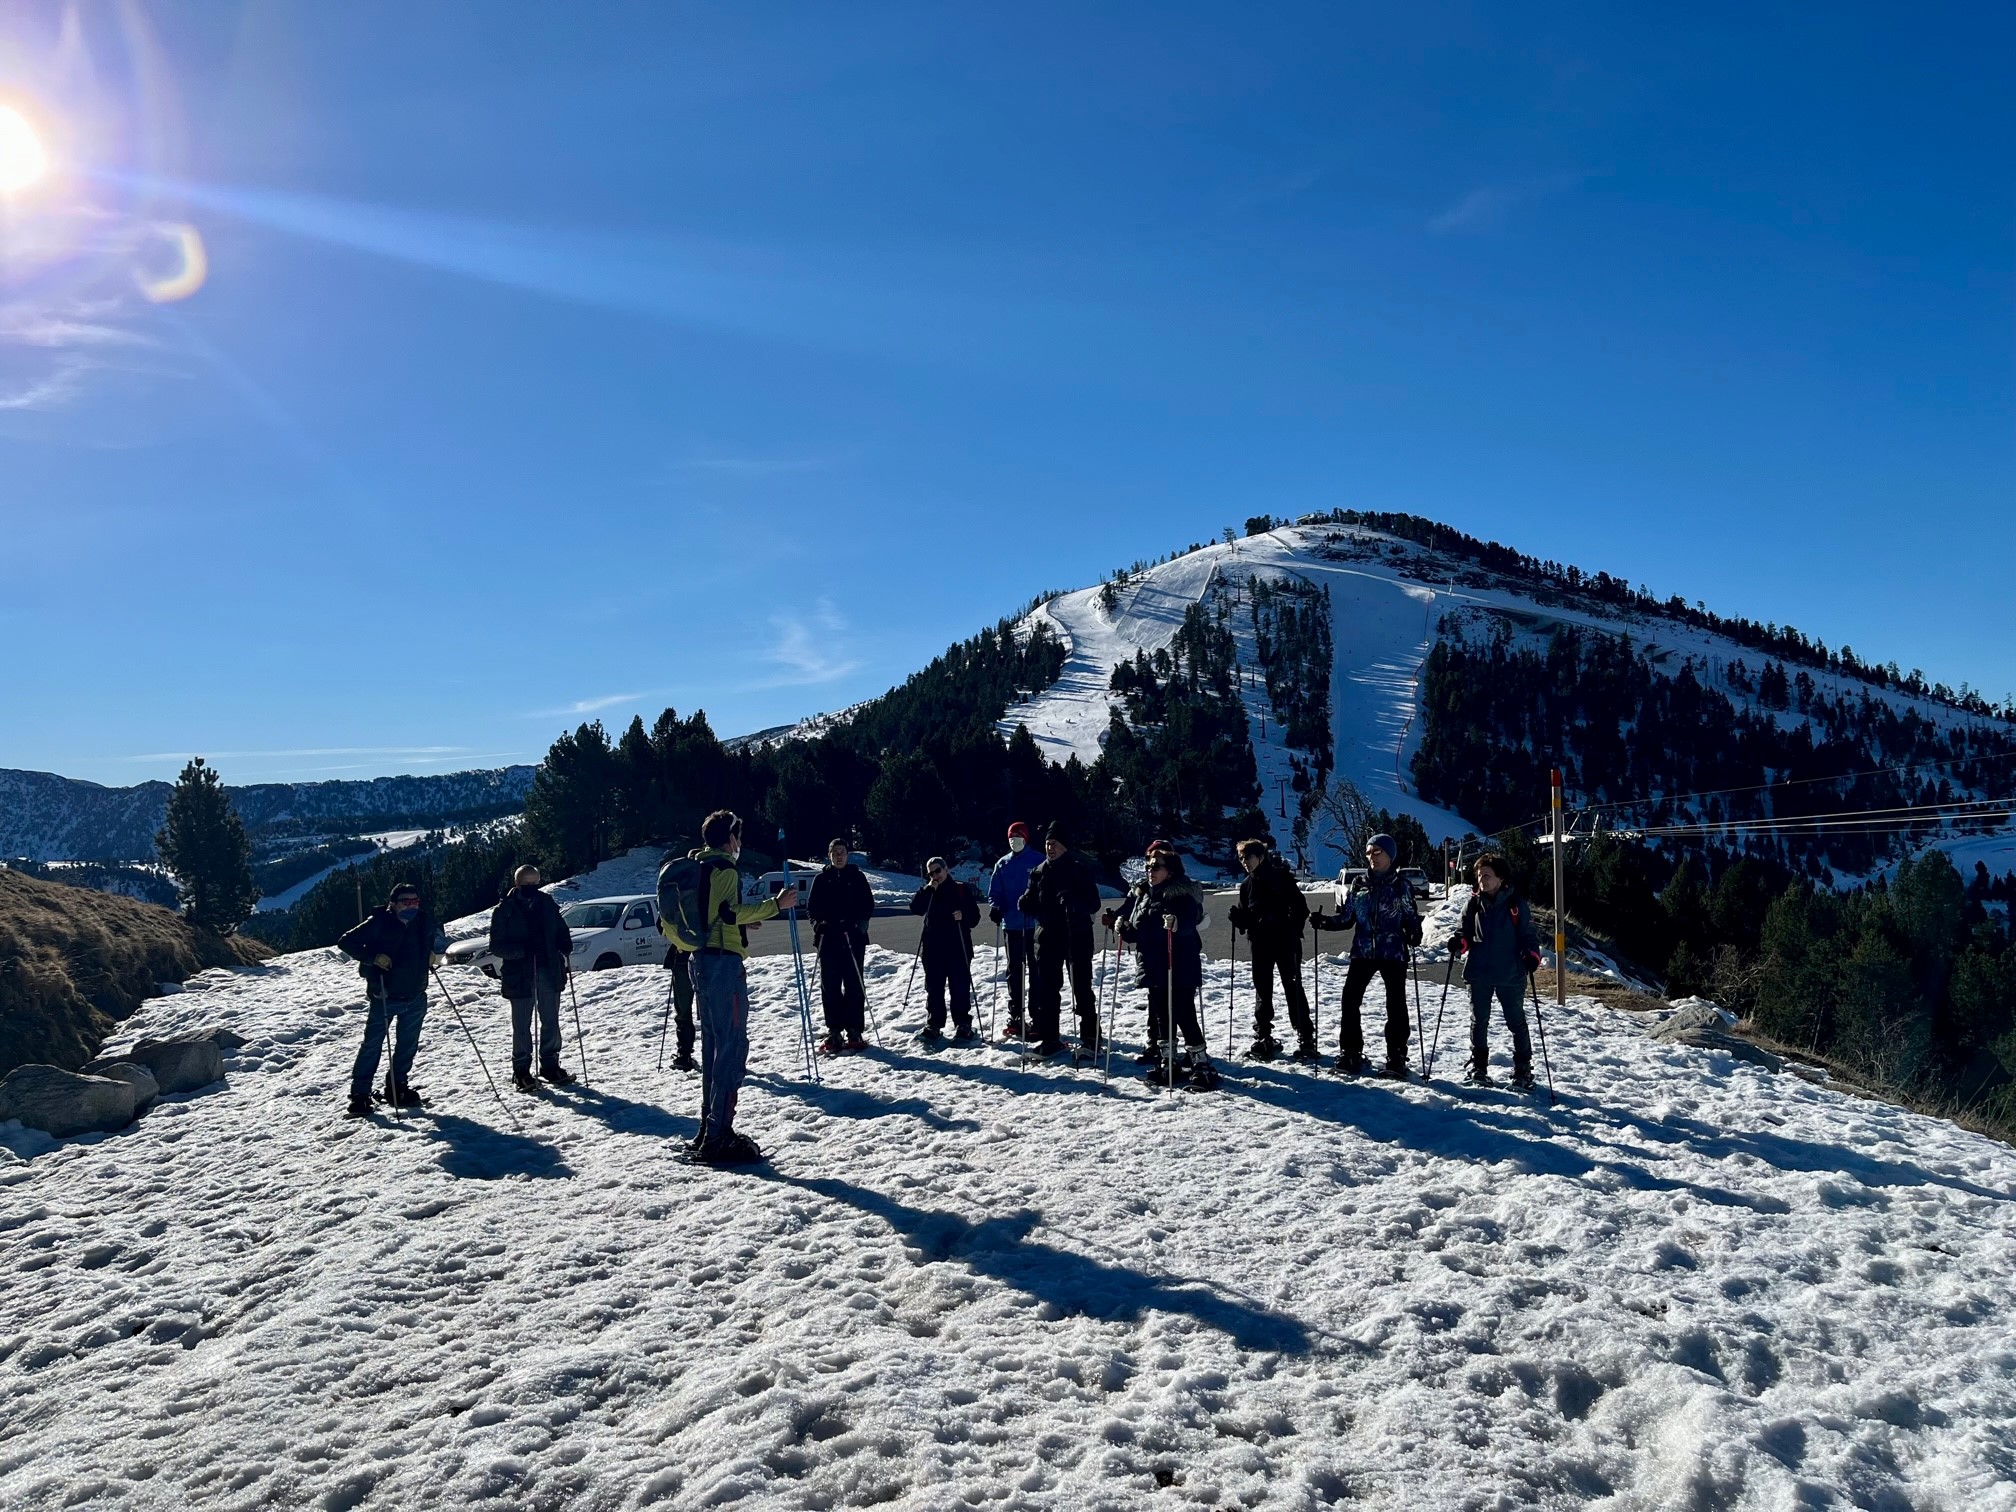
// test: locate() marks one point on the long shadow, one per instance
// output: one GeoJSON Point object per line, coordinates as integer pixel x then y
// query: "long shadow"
{"type": "Point", "coordinates": [850, 1102]}
{"type": "Point", "coordinates": [625, 1115]}
{"type": "Point", "coordinates": [478, 1152]}
{"type": "Point", "coordinates": [1001, 1247]}
{"type": "Point", "coordinates": [1465, 1131]}
{"type": "Point", "coordinates": [1032, 1081]}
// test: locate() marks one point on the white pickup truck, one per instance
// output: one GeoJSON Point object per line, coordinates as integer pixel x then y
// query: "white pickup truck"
{"type": "Point", "coordinates": [608, 932]}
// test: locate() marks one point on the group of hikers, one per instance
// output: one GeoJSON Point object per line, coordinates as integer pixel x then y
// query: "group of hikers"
{"type": "Point", "coordinates": [1046, 906]}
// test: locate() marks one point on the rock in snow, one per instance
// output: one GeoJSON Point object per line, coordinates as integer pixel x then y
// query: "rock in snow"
{"type": "Point", "coordinates": [63, 1103]}
{"type": "Point", "coordinates": [965, 1282]}
{"type": "Point", "coordinates": [181, 1064]}
{"type": "Point", "coordinates": [146, 1090]}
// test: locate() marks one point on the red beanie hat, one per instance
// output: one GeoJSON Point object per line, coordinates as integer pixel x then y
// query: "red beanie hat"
{"type": "Point", "coordinates": [1018, 828]}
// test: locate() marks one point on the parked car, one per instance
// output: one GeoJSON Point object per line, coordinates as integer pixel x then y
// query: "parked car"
{"type": "Point", "coordinates": [1418, 879]}
{"type": "Point", "coordinates": [608, 932]}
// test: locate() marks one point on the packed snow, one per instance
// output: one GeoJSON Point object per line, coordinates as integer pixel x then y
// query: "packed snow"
{"type": "Point", "coordinates": [964, 1281]}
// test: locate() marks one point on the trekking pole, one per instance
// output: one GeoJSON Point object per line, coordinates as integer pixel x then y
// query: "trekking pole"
{"type": "Point", "coordinates": [910, 981]}
{"type": "Point", "coordinates": [449, 999]}
{"type": "Point", "coordinates": [1541, 1023]}
{"type": "Point", "coordinates": [798, 966]}
{"type": "Point", "coordinates": [1232, 988]}
{"type": "Point", "coordinates": [866, 1002]}
{"type": "Point", "coordinates": [1109, 1006]}
{"type": "Point", "coordinates": [1169, 1002]}
{"type": "Point", "coordinates": [665, 1027]}
{"type": "Point", "coordinates": [994, 984]}
{"type": "Point", "coordinates": [1435, 1044]}
{"type": "Point", "coordinates": [580, 1044]}
{"type": "Point", "coordinates": [1420, 1022]}
{"type": "Point", "coordinates": [391, 1081]}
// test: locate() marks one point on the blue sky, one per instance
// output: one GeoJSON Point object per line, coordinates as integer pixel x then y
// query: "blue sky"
{"type": "Point", "coordinates": [566, 359]}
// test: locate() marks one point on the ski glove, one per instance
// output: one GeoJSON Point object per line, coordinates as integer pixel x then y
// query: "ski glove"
{"type": "Point", "coordinates": [1241, 916]}
{"type": "Point", "coordinates": [1109, 918]}
{"type": "Point", "coordinates": [994, 916]}
{"type": "Point", "coordinates": [1532, 960]}
{"type": "Point", "coordinates": [382, 962]}
{"type": "Point", "coordinates": [1460, 945]}
{"type": "Point", "coordinates": [434, 961]}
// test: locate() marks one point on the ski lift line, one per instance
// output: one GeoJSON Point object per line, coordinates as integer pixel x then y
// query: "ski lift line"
{"type": "Point", "coordinates": [1759, 787]}
{"type": "Point", "coordinates": [1841, 826]}
{"type": "Point", "coordinates": [1972, 808]}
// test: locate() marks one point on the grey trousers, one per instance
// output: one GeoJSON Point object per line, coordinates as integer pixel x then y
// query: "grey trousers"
{"type": "Point", "coordinates": [546, 998]}
{"type": "Point", "coordinates": [721, 992]}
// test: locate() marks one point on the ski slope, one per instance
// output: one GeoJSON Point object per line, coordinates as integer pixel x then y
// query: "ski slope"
{"type": "Point", "coordinates": [963, 1282]}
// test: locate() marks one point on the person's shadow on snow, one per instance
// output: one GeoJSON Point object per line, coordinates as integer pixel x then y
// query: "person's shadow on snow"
{"type": "Point", "coordinates": [858, 1102]}
{"type": "Point", "coordinates": [481, 1152]}
{"type": "Point", "coordinates": [1073, 1283]}
{"type": "Point", "coordinates": [625, 1115]}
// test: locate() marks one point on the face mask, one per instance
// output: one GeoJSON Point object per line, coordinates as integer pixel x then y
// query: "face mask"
{"type": "Point", "coordinates": [408, 914]}
{"type": "Point", "coordinates": [1016, 844]}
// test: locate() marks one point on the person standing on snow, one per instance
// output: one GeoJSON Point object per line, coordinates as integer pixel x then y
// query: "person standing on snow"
{"type": "Point", "coordinates": [840, 905]}
{"type": "Point", "coordinates": [1500, 948]}
{"type": "Point", "coordinates": [1162, 921]}
{"type": "Point", "coordinates": [1062, 897]}
{"type": "Point", "coordinates": [1004, 891]}
{"type": "Point", "coordinates": [533, 943]}
{"type": "Point", "coordinates": [950, 910]}
{"type": "Point", "coordinates": [721, 986]}
{"type": "Point", "coordinates": [395, 948]}
{"type": "Point", "coordinates": [1151, 1054]}
{"type": "Point", "coordinates": [1379, 910]}
{"type": "Point", "coordinates": [1272, 912]}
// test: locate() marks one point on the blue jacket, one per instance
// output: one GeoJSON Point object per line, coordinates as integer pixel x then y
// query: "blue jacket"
{"type": "Point", "coordinates": [1380, 912]}
{"type": "Point", "coordinates": [1501, 938]}
{"type": "Point", "coordinates": [1009, 882]}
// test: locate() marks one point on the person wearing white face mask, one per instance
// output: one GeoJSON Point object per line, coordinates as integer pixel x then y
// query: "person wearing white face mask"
{"type": "Point", "coordinates": [1004, 890]}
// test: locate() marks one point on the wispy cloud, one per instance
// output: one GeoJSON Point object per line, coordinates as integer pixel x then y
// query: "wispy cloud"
{"type": "Point", "coordinates": [1487, 208]}
{"type": "Point", "coordinates": [47, 390]}
{"type": "Point", "coordinates": [586, 705]}
{"type": "Point", "coordinates": [812, 648]}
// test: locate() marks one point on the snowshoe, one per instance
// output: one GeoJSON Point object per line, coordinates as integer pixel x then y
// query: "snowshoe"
{"type": "Point", "coordinates": [1014, 1031]}
{"type": "Point", "coordinates": [855, 1042]}
{"type": "Point", "coordinates": [731, 1149]}
{"type": "Point", "coordinates": [964, 1038]}
{"type": "Point", "coordinates": [1265, 1048]}
{"type": "Point", "coordinates": [684, 1061]}
{"type": "Point", "coordinates": [525, 1081]}
{"type": "Point", "coordinates": [1307, 1054]}
{"type": "Point", "coordinates": [1151, 1056]}
{"type": "Point", "coordinates": [833, 1044]}
{"type": "Point", "coordinates": [1196, 1071]}
{"type": "Point", "coordinates": [559, 1076]}
{"type": "Point", "coordinates": [1478, 1076]}
{"type": "Point", "coordinates": [1349, 1065]}
{"type": "Point", "coordinates": [360, 1107]}
{"type": "Point", "coordinates": [1048, 1049]}
{"type": "Point", "coordinates": [1395, 1070]}
{"type": "Point", "coordinates": [931, 1039]}
{"type": "Point", "coordinates": [1088, 1053]}
{"type": "Point", "coordinates": [1523, 1080]}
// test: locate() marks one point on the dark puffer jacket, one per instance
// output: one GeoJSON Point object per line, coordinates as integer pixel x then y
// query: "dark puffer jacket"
{"type": "Point", "coordinates": [841, 901]}
{"type": "Point", "coordinates": [943, 937]}
{"type": "Point", "coordinates": [1380, 908]}
{"type": "Point", "coordinates": [1500, 938]}
{"type": "Point", "coordinates": [409, 946]}
{"type": "Point", "coordinates": [1272, 909]}
{"type": "Point", "coordinates": [1175, 900]}
{"type": "Point", "coordinates": [528, 935]}
{"type": "Point", "coordinates": [1061, 899]}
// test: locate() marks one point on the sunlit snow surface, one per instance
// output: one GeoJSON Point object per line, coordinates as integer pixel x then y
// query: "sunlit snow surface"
{"type": "Point", "coordinates": [1693, 1284]}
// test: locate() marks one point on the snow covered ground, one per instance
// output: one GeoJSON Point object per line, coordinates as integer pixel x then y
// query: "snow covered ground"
{"type": "Point", "coordinates": [1692, 1284]}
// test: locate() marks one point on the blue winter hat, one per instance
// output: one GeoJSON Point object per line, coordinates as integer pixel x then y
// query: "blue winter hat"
{"type": "Point", "coordinates": [1384, 843]}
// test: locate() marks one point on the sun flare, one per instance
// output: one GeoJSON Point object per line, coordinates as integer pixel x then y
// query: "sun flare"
{"type": "Point", "coordinates": [22, 158]}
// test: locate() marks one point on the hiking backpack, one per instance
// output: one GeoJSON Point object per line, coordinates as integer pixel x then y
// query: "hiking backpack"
{"type": "Point", "coordinates": [683, 885]}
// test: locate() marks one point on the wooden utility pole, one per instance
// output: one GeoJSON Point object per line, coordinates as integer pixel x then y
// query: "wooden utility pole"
{"type": "Point", "coordinates": [1560, 899]}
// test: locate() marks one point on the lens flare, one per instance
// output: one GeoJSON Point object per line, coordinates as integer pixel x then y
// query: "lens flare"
{"type": "Point", "coordinates": [22, 158]}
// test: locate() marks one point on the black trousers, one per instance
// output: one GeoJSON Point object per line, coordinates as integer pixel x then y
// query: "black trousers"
{"type": "Point", "coordinates": [1021, 945]}
{"type": "Point", "coordinates": [1187, 1023]}
{"type": "Point", "coordinates": [841, 953]}
{"type": "Point", "coordinates": [947, 968]}
{"type": "Point", "coordinates": [1057, 954]}
{"type": "Point", "coordinates": [680, 964]}
{"type": "Point", "coordinates": [1357, 977]}
{"type": "Point", "coordinates": [1285, 957]}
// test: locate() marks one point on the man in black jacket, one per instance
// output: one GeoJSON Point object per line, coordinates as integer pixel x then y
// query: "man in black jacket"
{"type": "Point", "coordinates": [1062, 897]}
{"type": "Point", "coordinates": [840, 906]}
{"type": "Point", "coordinates": [395, 948]}
{"type": "Point", "coordinates": [533, 942]}
{"type": "Point", "coordinates": [945, 944]}
{"type": "Point", "coordinates": [1272, 912]}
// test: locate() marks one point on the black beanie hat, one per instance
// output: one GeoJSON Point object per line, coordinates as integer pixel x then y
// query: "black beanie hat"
{"type": "Point", "coordinates": [1055, 831]}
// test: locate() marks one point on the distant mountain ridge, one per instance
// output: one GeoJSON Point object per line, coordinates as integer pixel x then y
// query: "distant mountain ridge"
{"type": "Point", "coordinates": [50, 818]}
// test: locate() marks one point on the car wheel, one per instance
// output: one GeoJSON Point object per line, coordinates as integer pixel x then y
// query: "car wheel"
{"type": "Point", "coordinates": [607, 962]}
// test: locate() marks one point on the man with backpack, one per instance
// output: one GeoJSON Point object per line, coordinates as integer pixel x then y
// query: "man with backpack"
{"type": "Point", "coordinates": [394, 948]}
{"type": "Point", "coordinates": [840, 906]}
{"type": "Point", "coordinates": [945, 945]}
{"type": "Point", "coordinates": [1062, 897]}
{"type": "Point", "coordinates": [700, 902]}
{"type": "Point", "coordinates": [1272, 913]}
{"type": "Point", "coordinates": [1379, 910]}
{"type": "Point", "coordinates": [1004, 891]}
{"type": "Point", "coordinates": [1500, 948]}
{"type": "Point", "coordinates": [533, 943]}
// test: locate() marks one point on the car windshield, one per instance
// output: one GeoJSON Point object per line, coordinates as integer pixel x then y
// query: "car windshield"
{"type": "Point", "coordinates": [591, 915]}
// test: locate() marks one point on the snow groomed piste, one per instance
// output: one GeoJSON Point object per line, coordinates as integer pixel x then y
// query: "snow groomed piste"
{"type": "Point", "coordinates": [963, 1282]}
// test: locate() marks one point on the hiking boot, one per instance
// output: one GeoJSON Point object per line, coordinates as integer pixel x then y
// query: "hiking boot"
{"type": "Point", "coordinates": [684, 1061]}
{"type": "Point", "coordinates": [1307, 1053]}
{"type": "Point", "coordinates": [833, 1044]}
{"type": "Point", "coordinates": [730, 1149]}
{"type": "Point", "coordinates": [964, 1038]}
{"type": "Point", "coordinates": [360, 1107]}
{"type": "Point", "coordinates": [1349, 1065]}
{"type": "Point", "coordinates": [406, 1097]}
{"type": "Point", "coordinates": [931, 1039]}
{"type": "Point", "coordinates": [1264, 1048]}
{"type": "Point", "coordinates": [1047, 1049]}
{"type": "Point", "coordinates": [1480, 1076]}
{"type": "Point", "coordinates": [1197, 1070]}
{"type": "Point", "coordinates": [1523, 1080]}
{"type": "Point", "coordinates": [1395, 1070]}
{"type": "Point", "coordinates": [1014, 1029]}
{"type": "Point", "coordinates": [560, 1076]}
{"type": "Point", "coordinates": [1151, 1056]}
{"type": "Point", "coordinates": [855, 1042]}
{"type": "Point", "coordinates": [524, 1080]}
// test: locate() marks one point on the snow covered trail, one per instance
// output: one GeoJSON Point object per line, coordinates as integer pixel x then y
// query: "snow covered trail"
{"type": "Point", "coordinates": [964, 1282]}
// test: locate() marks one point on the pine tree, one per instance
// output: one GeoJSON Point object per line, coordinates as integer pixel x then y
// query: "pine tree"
{"type": "Point", "coordinates": [570, 812]}
{"type": "Point", "coordinates": [203, 845]}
